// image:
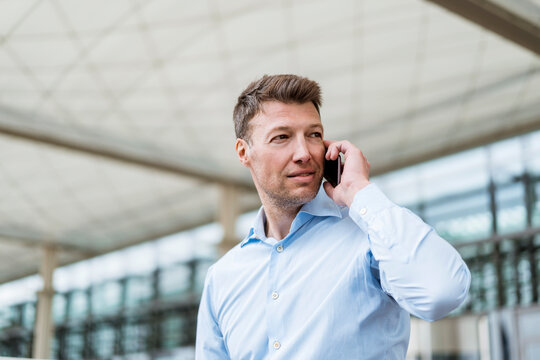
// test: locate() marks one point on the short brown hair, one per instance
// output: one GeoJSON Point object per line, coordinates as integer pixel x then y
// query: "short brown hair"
{"type": "Point", "coordinates": [287, 89]}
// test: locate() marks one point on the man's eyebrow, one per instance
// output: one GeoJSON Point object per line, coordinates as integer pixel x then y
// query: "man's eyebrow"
{"type": "Point", "coordinates": [278, 128]}
{"type": "Point", "coordinates": [312, 126]}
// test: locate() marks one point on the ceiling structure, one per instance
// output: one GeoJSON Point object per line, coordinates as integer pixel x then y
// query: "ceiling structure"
{"type": "Point", "coordinates": [115, 116]}
{"type": "Point", "coordinates": [515, 20]}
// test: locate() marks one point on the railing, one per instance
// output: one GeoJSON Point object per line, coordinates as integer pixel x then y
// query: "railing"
{"type": "Point", "coordinates": [504, 270]}
{"type": "Point", "coordinates": [152, 319]}
{"type": "Point", "coordinates": [504, 264]}
{"type": "Point", "coordinates": [154, 313]}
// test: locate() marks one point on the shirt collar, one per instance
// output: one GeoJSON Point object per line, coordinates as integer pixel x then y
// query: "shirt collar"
{"type": "Point", "coordinates": [256, 232]}
{"type": "Point", "coordinates": [321, 205]}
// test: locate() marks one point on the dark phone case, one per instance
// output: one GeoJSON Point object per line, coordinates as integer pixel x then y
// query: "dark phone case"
{"type": "Point", "coordinates": [332, 171]}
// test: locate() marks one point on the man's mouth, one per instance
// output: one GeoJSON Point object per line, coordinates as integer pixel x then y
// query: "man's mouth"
{"type": "Point", "coordinates": [302, 175]}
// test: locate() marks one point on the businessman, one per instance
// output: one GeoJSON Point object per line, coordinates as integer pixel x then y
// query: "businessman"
{"type": "Point", "coordinates": [325, 272]}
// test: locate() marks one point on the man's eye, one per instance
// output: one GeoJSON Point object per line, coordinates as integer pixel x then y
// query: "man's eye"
{"type": "Point", "coordinates": [316, 134]}
{"type": "Point", "coordinates": [280, 137]}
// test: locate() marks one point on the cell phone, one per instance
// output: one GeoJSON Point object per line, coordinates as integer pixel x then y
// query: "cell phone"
{"type": "Point", "coordinates": [332, 171]}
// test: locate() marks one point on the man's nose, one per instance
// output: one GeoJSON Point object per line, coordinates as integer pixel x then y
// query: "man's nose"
{"type": "Point", "coordinates": [301, 151]}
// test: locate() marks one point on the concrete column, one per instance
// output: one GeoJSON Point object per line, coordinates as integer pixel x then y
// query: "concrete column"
{"type": "Point", "coordinates": [229, 209]}
{"type": "Point", "coordinates": [44, 326]}
{"type": "Point", "coordinates": [465, 336]}
{"type": "Point", "coordinates": [483, 338]}
{"type": "Point", "coordinates": [421, 332]}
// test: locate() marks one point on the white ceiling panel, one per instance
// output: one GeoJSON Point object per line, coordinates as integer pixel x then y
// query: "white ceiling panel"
{"type": "Point", "coordinates": [153, 83]}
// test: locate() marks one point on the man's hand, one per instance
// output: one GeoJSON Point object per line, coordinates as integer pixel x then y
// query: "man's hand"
{"type": "Point", "coordinates": [355, 175]}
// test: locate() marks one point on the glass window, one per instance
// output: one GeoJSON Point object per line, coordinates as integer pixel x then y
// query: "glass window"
{"type": "Point", "coordinates": [139, 289]}
{"type": "Point", "coordinates": [174, 330]}
{"type": "Point", "coordinates": [536, 205]}
{"type": "Point", "coordinates": [200, 274]}
{"type": "Point", "coordinates": [460, 218]}
{"type": "Point", "coordinates": [103, 339]}
{"type": "Point", "coordinates": [59, 308]}
{"type": "Point", "coordinates": [510, 208]}
{"type": "Point", "coordinates": [106, 297]}
{"type": "Point", "coordinates": [174, 281]}
{"type": "Point", "coordinates": [135, 337]}
{"type": "Point", "coordinates": [74, 345]}
{"type": "Point", "coordinates": [28, 315]}
{"type": "Point", "coordinates": [78, 306]}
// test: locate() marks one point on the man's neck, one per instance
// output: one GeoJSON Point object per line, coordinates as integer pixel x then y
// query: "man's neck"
{"type": "Point", "coordinates": [278, 220]}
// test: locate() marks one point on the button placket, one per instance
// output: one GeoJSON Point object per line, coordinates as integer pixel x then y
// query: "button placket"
{"type": "Point", "coordinates": [274, 310]}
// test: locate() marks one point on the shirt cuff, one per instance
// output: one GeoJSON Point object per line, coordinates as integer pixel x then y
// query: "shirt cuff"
{"type": "Point", "coordinates": [368, 202]}
{"type": "Point", "coordinates": [373, 212]}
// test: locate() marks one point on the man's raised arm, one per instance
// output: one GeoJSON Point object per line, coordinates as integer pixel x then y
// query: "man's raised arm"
{"type": "Point", "coordinates": [419, 269]}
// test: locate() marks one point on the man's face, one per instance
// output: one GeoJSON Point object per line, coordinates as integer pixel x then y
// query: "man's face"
{"type": "Point", "coordinates": [285, 153]}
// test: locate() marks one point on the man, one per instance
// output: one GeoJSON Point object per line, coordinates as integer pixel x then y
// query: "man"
{"type": "Point", "coordinates": [325, 273]}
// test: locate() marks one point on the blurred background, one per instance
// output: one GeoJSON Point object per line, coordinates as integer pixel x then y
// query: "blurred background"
{"type": "Point", "coordinates": [119, 184]}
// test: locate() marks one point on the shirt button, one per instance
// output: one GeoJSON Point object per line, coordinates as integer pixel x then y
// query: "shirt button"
{"type": "Point", "coordinates": [275, 295]}
{"type": "Point", "coordinates": [279, 248]}
{"type": "Point", "coordinates": [277, 345]}
{"type": "Point", "coordinates": [363, 211]}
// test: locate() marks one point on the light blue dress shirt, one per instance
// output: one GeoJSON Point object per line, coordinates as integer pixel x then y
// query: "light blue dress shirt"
{"type": "Point", "coordinates": [340, 285]}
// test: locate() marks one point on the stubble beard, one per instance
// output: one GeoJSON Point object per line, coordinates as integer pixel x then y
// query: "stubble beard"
{"type": "Point", "coordinates": [284, 199]}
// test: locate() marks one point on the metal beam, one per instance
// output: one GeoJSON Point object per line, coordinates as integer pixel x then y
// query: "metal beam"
{"type": "Point", "coordinates": [77, 256]}
{"type": "Point", "coordinates": [17, 124]}
{"type": "Point", "coordinates": [458, 146]}
{"type": "Point", "coordinates": [497, 19]}
{"type": "Point", "coordinates": [497, 238]}
{"type": "Point", "coordinates": [29, 241]}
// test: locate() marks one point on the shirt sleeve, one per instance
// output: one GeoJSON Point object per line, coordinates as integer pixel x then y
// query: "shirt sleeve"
{"type": "Point", "coordinates": [209, 344]}
{"type": "Point", "coordinates": [419, 269]}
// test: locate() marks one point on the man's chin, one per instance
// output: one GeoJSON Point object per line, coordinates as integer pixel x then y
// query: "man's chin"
{"type": "Point", "coordinates": [290, 194]}
{"type": "Point", "coordinates": [306, 193]}
{"type": "Point", "coordinates": [293, 198]}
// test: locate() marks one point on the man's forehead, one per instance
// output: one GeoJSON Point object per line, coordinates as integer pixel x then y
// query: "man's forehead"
{"type": "Point", "coordinates": [282, 109]}
{"type": "Point", "coordinates": [280, 114]}
{"type": "Point", "coordinates": [280, 125]}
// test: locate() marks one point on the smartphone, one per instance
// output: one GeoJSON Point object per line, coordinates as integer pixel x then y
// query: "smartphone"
{"type": "Point", "coordinates": [332, 171]}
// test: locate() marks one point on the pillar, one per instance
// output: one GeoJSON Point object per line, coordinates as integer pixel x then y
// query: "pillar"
{"type": "Point", "coordinates": [229, 210]}
{"type": "Point", "coordinates": [43, 330]}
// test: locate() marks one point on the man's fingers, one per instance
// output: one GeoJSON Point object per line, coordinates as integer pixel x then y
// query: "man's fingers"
{"type": "Point", "coordinates": [328, 145]}
{"type": "Point", "coordinates": [335, 147]}
{"type": "Point", "coordinates": [333, 150]}
{"type": "Point", "coordinates": [343, 146]}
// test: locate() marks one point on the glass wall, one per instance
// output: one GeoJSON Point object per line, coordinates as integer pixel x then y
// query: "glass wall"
{"type": "Point", "coordinates": [143, 300]}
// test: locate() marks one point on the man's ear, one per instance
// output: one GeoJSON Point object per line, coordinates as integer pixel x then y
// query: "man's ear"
{"type": "Point", "coordinates": [242, 149]}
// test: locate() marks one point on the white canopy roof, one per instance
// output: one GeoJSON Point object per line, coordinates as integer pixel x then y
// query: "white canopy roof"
{"type": "Point", "coordinates": [116, 116]}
